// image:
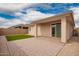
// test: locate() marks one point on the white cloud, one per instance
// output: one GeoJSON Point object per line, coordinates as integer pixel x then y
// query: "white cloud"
{"type": "Point", "coordinates": [18, 13]}
{"type": "Point", "coordinates": [14, 6]}
{"type": "Point", "coordinates": [29, 17]}
{"type": "Point", "coordinates": [76, 15]}
{"type": "Point", "coordinates": [33, 15]}
{"type": "Point", "coordinates": [3, 20]}
{"type": "Point", "coordinates": [9, 23]}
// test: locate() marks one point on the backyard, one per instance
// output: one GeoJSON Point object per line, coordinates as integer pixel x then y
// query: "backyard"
{"type": "Point", "coordinates": [17, 37]}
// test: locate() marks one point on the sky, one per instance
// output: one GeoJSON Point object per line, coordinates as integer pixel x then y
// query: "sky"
{"type": "Point", "coordinates": [24, 13]}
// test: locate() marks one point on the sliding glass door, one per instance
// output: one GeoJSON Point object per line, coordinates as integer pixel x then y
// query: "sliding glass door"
{"type": "Point", "coordinates": [56, 30]}
{"type": "Point", "coordinates": [53, 30]}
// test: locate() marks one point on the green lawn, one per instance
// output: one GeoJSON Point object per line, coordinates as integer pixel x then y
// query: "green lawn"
{"type": "Point", "coordinates": [17, 37]}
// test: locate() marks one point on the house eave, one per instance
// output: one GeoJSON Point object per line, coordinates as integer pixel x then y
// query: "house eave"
{"type": "Point", "coordinates": [55, 18]}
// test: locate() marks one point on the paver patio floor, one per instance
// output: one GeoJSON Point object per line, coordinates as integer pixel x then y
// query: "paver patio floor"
{"type": "Point", "coordinates": [42, 46]}
{"type": "Point", "coordinates": [71, 48]}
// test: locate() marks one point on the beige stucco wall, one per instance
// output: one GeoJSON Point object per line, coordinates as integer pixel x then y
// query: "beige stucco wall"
{"type": "Point", "coordinates": [63, 29]}
{"type": "Point", "coordinates": [42, 30]}
{"type": "Point", "coordinates": [66, 29]}
{"type": "Point", "coordinates": [45, 29]}
{"type": "Point", "coordinates": [32, 30]}
{"type": "Point", "coordinates": [69, 29]}
{"type": "Point", "coordinates": [39, 32]}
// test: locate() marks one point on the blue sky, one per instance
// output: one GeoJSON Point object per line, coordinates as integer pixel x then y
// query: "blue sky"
{"type": "Point", "coordinates": [13, 14]}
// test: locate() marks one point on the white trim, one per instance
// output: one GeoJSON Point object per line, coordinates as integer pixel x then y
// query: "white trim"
{"type": "Point", "coordinates": [50, 31]}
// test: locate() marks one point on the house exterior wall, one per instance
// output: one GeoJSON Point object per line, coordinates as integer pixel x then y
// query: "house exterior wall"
{"type": "Point", "coordinates": [70, 29]}
{"type": "Point", "coordinates": [32, 30]}
{"type": "Point", "coordinates": [44, 28]}
{"type": "Point", "coordinates": [66, 29]}
{"type": "Point", "coordinates": [39, 30]}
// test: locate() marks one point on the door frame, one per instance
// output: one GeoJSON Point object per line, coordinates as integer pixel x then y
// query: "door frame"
{"type": "Point", "coordinates": [51, 29]}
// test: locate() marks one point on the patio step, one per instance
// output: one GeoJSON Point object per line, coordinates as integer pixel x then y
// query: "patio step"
{"type": "Point", "coordinates": [3, 46]}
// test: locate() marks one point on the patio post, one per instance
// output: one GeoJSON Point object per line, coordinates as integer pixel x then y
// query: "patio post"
{"type": "Point", "coordinates": [63, 30]}
{"type": "Point", "coordinates": [36, 33]}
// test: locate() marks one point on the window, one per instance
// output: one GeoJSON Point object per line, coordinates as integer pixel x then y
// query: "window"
{"type": "Point", "coordinates": [18, 27]}
{"type": "Point", "coordinates": [25, 27]}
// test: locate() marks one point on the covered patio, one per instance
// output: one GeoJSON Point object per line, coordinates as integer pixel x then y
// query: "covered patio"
{"type": "Point", "coordinates": [59, 26]}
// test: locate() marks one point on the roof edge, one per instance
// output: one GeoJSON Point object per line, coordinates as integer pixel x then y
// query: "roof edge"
{"type": "Point", "coordinates": [54, 17]}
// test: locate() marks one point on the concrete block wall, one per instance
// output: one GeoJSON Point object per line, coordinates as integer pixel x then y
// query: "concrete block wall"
{"type": "Point", "coordinates": [11, 31]}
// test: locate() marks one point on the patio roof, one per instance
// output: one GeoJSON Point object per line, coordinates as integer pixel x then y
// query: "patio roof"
{"type": "Point", "coordinates": [55, 18]}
